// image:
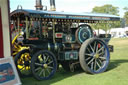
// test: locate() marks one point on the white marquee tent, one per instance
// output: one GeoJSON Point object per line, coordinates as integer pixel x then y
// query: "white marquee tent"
{"type": "Point", "coordinates": [118, 32]}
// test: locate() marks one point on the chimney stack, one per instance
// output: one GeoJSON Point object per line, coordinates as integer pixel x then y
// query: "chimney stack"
{"type": "Point", "coordinates": [39, 5]}
{"type": "Point", "coordinates": [52, 5]}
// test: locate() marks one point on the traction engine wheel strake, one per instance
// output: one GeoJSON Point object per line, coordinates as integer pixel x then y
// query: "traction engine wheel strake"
{"type": "Point", "coordinates": [94, 56]}
{"type": "Point", "coordinates": [43, 65]}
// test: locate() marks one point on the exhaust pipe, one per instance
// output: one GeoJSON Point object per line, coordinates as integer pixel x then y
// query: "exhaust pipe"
{"type": "Point", "coordinates": [52, 5]}
{"type": "Point", "coordinates": [39, 5]}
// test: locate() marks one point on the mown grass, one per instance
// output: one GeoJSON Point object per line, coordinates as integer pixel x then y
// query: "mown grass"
{"type": "Point", "coordinates": [116, 74]}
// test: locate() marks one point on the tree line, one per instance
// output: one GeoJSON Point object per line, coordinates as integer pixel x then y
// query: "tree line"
{"type": "Point", "coordinates": [113, 10]}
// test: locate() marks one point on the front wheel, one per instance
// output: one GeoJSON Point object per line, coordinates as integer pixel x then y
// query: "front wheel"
{"type": "Point", "coordinates": [43, 65]}
{"type": "Point", "coordinates": [94, 56]}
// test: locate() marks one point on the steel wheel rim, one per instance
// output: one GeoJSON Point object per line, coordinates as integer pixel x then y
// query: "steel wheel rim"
{"type": "Point", "coordinates": [96, 56]}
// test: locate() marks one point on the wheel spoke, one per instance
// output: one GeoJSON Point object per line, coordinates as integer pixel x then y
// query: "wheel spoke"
{"type": "Point", "coordinates": [91, 48]}
{"type": "Point", "coordinates": [90, 61]}
{"type": "Point", "coordinates": [88, 50]}
{"type": "Point", "coordinates": [37, 69]}
{"type": "Point", "coordinates": [101, 53]}
{"type": "Point", "coordinates": [87, 58]}
{"type": "Point", "coordinates": [95, 65]}
{"type": "Point", "coordinates": [98, 64]}
{"type": "Point", "coordinates": [50, 62]}
{"type": "Point", "coordinates": [41, 72]}
{"type": "Point", "coordinates": [44, 73]}
{"type": "Point", "coordinates": [46, 59]}
{"type": "Point", "coordinates": [88, 54]}
{"type": "Point", "coordinates": [100, 49]}
{"type": "Point", "coordinates": [50, 67]}
{"type": "Point", "coordinates": [102, 58]}
{"type": "Point", "coordinates": [38, 64]}
{"type": "Point", "coordinates": [100, 61]}
{"type": "Point", "coordinates": [94, 46]}
{"type": "Point", "coordinates": [48, 70]}
{"type": "Point", "coordinates": [92, 65]}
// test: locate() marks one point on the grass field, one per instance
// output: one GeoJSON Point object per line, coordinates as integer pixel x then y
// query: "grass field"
{"type": "Point", "coordinates": [116, 74]}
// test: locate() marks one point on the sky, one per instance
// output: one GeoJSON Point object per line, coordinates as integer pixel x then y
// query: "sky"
{"type": "Point", "coordinates": [71, 5]}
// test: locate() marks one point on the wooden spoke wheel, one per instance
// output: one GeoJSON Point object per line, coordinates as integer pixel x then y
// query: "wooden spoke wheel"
{"type": "Point", "coordinates": [22, 61]}
{"type": "Point", "coordinates": [94, 56]}
{"type": "Point", "coordinates": [43, 65]}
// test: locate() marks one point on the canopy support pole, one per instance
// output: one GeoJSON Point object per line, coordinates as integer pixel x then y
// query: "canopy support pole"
{"type": "Point", "coordinates": [18, 23]}
{"type": "Point", "coordinates": [27, 33]}
{"type": "Point", "coordinates": [53, 27]}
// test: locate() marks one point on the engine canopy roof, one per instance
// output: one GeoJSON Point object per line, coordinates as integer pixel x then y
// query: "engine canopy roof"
{"type": "Point", "coordinates": [63, 15]}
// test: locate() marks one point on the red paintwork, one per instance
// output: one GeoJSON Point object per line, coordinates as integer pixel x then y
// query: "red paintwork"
{"type": "Point", "coordinates": [58, 35]}
{"type": "Point", "coordinates": [1, 37]}
{"type": "Point", "coordinates": [98, 45]}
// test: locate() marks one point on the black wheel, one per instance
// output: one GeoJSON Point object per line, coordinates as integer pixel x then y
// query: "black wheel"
{"type": "Point", "coordinates": [65, 65]}
{"type": "Point", "coordinates": [43, 65]}
{"type": "Point", "coordinates": [83, 33]}
{"type": "Point", "coordinates": [22, 62]}
{"type": "Point", "coordinates": [94, 56]}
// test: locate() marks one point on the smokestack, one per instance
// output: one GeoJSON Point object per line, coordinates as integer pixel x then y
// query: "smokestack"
{"type": "Point", "coordinates": [52, 5]}
{"type": "Point", "coordinates": [39, 5]}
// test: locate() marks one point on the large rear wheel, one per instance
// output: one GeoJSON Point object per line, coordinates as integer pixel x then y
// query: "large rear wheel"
{"type": "Point", "coordinates": [94, 56]}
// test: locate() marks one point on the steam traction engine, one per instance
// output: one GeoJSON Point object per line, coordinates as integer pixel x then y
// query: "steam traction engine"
{"type": "Point", "coordinates": [53, 38]}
